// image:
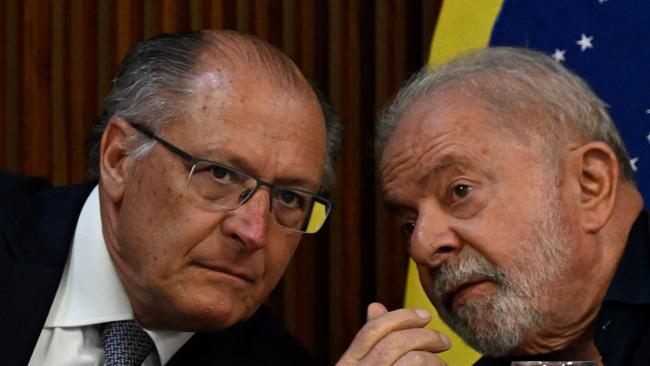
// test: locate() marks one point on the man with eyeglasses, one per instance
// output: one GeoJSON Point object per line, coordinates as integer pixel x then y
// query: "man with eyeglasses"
{"type": "Point", "coordinates": [210, 155]}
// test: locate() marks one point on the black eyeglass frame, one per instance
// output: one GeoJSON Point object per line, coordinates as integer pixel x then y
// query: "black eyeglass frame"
{"type": "Point", "coordinates": [193, 160]}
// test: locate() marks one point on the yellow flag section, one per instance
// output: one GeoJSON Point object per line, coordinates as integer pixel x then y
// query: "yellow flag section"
{"type": "Point", "coordinates": [463, 25]}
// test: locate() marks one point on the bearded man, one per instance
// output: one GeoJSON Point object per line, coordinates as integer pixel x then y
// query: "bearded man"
{"type": "Point", "coordinates": [515, 196]}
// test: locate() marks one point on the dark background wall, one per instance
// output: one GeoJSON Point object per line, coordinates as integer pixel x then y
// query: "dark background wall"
{"type": "Point", "coordinates": [57, 58]}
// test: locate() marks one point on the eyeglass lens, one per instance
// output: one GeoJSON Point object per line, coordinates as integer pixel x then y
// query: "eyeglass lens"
{"type": "Point", "coordinates": [227, 189]}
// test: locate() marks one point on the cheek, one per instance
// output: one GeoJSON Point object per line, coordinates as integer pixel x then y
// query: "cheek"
{"type": "Point", "coordinates": [498, 230]}
{"type": "Point", "coordinates": [160, 224]}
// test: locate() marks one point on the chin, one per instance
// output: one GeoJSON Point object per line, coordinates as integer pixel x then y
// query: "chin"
{"type": "Point", "coordinates": [212, 316]}
{"type": "Point", "coordinates": [198, 308]}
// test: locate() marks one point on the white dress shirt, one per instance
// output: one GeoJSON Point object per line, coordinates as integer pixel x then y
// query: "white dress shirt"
{"type": "Point", "coordinates": [91, 293]}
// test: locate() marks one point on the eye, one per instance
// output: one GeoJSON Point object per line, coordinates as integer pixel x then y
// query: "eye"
{"type": "Point", "coordinates": [460, 191]}
{"type": "Point", "coordinates": [222, 174]}
{"type": "Point", "coordinates": [407, 230]}
{"type": "Point", "coordinates": [219, 172]}
{"type": "Point", "coordinates": [290, 199]}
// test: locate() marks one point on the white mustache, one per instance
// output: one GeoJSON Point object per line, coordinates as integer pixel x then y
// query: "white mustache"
{"type": "Point", "coordinates": [450, 276]}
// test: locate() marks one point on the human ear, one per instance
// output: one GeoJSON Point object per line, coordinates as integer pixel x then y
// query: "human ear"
{"type": "Point", "coordinates": [598, 179]}
{"type": "Point", "coordinates": [113, 157]}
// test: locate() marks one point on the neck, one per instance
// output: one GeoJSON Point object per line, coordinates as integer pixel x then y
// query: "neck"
{"type": "Point", "coordinates": [583, 350]}
{"type": "Point", "coordinates": [568, 333]}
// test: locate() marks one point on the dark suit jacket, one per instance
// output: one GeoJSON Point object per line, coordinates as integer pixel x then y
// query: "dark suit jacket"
{"type": "Point", "coordinates": [37, 224]}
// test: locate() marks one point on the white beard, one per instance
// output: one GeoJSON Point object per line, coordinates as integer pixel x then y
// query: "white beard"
{"type": "Point", "coordinates": [496, 324]}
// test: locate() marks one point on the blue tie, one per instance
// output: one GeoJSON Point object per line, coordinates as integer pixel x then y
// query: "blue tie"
{"type": "Point", "coordinates": [125, 343]}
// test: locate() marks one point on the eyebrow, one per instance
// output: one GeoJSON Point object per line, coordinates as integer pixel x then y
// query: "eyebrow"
{"type": "Point", "coordinates": [289, 181]}
{"type": "Point", "coordinates": [442, 164]}
{"type": "Point", "coordinates": [298, 183]}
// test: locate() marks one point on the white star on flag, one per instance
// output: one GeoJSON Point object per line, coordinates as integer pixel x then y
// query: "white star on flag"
{"type": "Point", "coordinates": [585, 42]}
{"type": "Point", "coordinates": [647, 111]}
{"type": "Point", "coordinates": [648, 138]}
{"type": "Point", "coordinates": [601, 1]}
{"type": "Point", "coordinates": [633, 163]}
{"type": "Point", "coordinates": [558, 55]}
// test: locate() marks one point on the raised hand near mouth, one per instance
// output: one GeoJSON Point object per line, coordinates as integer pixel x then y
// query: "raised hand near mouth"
{"type": "Point", "coordinates": [397, 337]}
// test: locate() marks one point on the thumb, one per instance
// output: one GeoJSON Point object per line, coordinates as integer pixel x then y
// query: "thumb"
{"type": "Point", "coordinates": [375, 310]}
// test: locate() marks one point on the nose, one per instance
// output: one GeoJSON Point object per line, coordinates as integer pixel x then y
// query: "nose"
{"type": "Point", "coordinates": [434, 239]}
{"type": "Point", "coordinates": [249, 222]}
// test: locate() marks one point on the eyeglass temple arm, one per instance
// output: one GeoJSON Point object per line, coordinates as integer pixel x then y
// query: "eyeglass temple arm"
{"type": "Point", "coordinates": [152, 135]}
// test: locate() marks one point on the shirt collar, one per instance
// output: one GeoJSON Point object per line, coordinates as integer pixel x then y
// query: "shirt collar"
{"type": "Point", "coordinates": [90, 291]}
{"type": "Point", "coordinates": [633, 268]}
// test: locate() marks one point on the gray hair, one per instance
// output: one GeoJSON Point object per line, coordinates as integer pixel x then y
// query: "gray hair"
{"type": "Point", "coordinates": [509, 81]}
{"type": "Point", "coordinates": [153, 84]}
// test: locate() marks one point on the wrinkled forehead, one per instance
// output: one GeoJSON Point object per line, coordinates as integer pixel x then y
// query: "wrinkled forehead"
{"type": "Point", "coordinates": [476, 110]}
{"type": "Point", "coordinates": [446, 123]}
{"type": "Point", "coordinates": [426, 125]}
{"type": "Point", "coordinates": [519, 104]}
{"type": "Point", "coordinates": [438, 114]}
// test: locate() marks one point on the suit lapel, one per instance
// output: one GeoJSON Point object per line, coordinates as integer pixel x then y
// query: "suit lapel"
{"type": "Point", "coordinates": [37, 246]}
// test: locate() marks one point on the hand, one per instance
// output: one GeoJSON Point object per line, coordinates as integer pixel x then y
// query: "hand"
{"type": "Point", "coordinates": [395, 338]}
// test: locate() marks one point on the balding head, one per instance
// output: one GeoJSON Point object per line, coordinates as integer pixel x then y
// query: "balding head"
{"type": "Point", "coordinates": [242, 53]}
{"type": "Point", "coordinates": [155, 83]}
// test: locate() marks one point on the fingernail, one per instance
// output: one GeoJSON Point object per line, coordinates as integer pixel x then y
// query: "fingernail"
{"type": "Point", "coordinates": [422, 313]}
{"type": "Point", "coordinates": [445, 340]}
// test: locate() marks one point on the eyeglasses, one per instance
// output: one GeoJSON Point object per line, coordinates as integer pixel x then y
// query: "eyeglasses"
{"type": "Point", "coordinates": [227, 188]}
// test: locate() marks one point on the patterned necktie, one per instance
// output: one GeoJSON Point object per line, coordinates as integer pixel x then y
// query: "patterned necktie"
{"type": "Point", "coordinates": [125, 343]}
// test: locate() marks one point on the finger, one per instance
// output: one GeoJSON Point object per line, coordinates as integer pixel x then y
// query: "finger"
{"type": "Point", "coordinates": [417, 358]}
{"type": "Point", "coordinates": [375, 309]}
{"type": "Point", "coordinates": [398, 344]}
{"type": "Point", "coordinates": [377, 328]}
